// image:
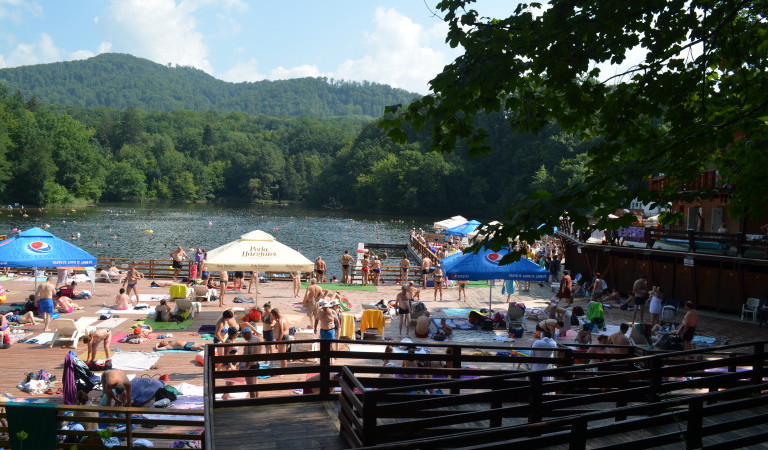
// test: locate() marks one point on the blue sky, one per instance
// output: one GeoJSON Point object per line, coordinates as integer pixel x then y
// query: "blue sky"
{"type": "Point", "coordinates": [397, 42]}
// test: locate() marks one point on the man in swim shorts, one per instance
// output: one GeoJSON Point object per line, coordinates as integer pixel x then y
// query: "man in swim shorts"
{"type": "Point", "coordinates": [403, 302]}
{"type": "Point", "coordinates": [44, 296]}
{"type": "Point", "coordinates": [640, 292]}
{"type": "Point", "coordinates": [426, 265]}
{"type": "Point", "coordinates": [320, 268]}
{"type": "Point", "coordinates": [346, 260]}
{"type": "Point", "coordinates": [328, 321]}
{"type": "Point", "coordinates": [404, 265]}
{"type": "Point", "coordinates": [116, 387]}
{"type": "Point", "coordinates": [177, 257]}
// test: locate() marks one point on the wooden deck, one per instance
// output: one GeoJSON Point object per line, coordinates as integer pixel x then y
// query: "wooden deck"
{"type": "Point", "coordinates": [306, 425]}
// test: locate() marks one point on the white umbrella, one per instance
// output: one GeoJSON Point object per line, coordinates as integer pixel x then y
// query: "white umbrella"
{"type": "Point", "coordinates": [257, 251]}
{"type": "Point", "coordinates": [450, 223]}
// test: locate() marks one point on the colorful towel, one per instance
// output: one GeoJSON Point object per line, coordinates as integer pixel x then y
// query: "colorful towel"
{"type": "Point", "coordinates": [455, 323]}
{"type": "Point", "coordinates": [119, 338]}
{"type": "Point", "coordinates": [166, 325]}
{"type": "Point", "coordinates": [111, 323]}
{"type": "Point", "coordinates": [456, 312]}
{"type": "Point", "coordinates": [131, 311]}
{"type": "Point", "coordinates": [42, 339]}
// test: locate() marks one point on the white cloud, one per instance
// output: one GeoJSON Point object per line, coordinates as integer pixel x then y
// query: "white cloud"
{"type": "Point", "coordinates": [244, 71]}
{"type": "Point", "coordinates": [42, 51]}
{"type": "Point", "coordinates": [401, 53]}
{"type": "Point", "coordinates": [16, 10]}
{"type": "Point", "coordinates": [306, 70]}
{"type": "Point", "coordinates": [160, 30]}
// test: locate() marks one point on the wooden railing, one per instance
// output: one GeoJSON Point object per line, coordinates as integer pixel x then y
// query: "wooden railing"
{"type": "Point", "coordinates": [422, 250]}
{"type": "Point", "coordinates": [556, 405]}
{"type": "Point", "coordinates": [709, 179]}
{"type": "Point", "coordinates": [161, 432]}
{"type": "Point", "coordinates": [161, 268]}
{"type": "Point", "coordinates": [388, 275]}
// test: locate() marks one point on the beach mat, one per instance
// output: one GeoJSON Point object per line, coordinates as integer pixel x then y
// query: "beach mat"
{"type": "Point", "coordinates": [342, 287]}
{"type": "Point", "coordinates": [456, 324]}
{"type": "Point", "coordinates": [111, 323]}
{"type": "Point", "coordinates": [42, 339]}
{"type": "Point", "coordinates": [456, 312]}
{"type": "Point", "coordinates": [152, 297]}
{"type": "Point", "coordinates": [167, 325]}
{"type": "Point", "coordinates": [207, 329]}
{"type": "Point", "coordinates": [134, 360]}
{"type": "Point", "coordinates": [129, 311]}
{"type": "Point", "coordinates": [26, 278]}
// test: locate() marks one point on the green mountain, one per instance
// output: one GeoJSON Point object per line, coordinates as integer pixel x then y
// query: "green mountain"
{"type": "Point", "coordinates": [123, 81]}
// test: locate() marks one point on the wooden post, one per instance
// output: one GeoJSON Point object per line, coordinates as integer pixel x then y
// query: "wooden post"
{"type": "Point", "coordinates": [325, 369]}
{"type": "Point", "coordinates": [740, 243]}
{"type": "Point", "coordinates": [129, 438]}
{"type": "Point", "coordinates": [648, 239]}
{"type": "Point", "coordinates": [757, 366]}
{"type": "Point", "coordinates": [691, 241]}
{"type": "Point", "coordinates": [496, 403]}
{"type": "Point", "coordinates": [655, 379]}
{"type": "Point", "coordinates": [369, 437]}
{"type": "Point", "coordinates": [534, 398]}
{"type": "Point", "coordinates": [456, 364]}
{"type": "Point", "coordinates": [578, 439]}
{"type": "Point", "coordinates": [695, 420]}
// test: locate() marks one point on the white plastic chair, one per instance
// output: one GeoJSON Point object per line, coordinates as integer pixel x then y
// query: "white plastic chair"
{"type": "Point", "coordinates": [750, 308]}
{"type": "Point", "coordinates": [69, 330]}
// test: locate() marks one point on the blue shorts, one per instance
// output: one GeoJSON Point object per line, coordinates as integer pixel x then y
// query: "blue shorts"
{"type": "Point", "coordinates": [269, 335]}
{"type": "Point", "coordinates": [46, 305]}
{"type": "Point", "coordinates": [328, 334]}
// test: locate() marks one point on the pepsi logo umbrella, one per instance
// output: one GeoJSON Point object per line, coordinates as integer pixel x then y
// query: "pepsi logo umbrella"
{"type": "Point", "coordinates": [484, 265]}
{"type": "Point", "coordinates": [36, 247]}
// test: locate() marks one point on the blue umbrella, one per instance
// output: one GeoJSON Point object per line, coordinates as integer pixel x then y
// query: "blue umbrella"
{"type": "Point", "coordinates": [464, 229]}
{"type": "Point", "coordinates": [38, 248]}
{"type": "Point", "coordinates": [484, 265]}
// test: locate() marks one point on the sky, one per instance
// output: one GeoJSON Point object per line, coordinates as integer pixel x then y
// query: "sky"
{"type": "Point", "coordinates": [395, 42]}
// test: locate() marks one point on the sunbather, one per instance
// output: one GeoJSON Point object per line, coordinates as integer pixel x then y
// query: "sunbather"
{"type": "Point", "coordinates": [179, 345]}
{"type": "Point", "coordinates": [27, 317]}
{"type": "Point", "coordinates": [93, 339]}
{"type": "Point", "coordinates": [65, 305]}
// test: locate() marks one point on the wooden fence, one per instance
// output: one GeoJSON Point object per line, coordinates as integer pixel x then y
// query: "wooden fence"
{"type": "Point", "coordinates": [162, 432]}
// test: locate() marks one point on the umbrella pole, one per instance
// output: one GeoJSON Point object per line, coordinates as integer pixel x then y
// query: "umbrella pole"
{"type": "Point", "coordinates": [490, 296]}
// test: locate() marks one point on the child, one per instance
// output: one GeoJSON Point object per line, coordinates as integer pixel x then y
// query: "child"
{"type": "Point", "coordinates": [193, 272]}
{"type": "Point", "coordinates": [447, 330]}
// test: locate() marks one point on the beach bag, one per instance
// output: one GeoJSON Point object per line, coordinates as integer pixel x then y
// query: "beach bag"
{"type": "Point", "coordinates": [516, 331]}
{"type": "Point", "coordinates": [100, 365]}
{"type": "Point", "coordinates": [439, 335]}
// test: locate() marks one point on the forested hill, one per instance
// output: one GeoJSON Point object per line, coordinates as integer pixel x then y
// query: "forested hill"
{"type": "Point", "coordinates": [123, 81]}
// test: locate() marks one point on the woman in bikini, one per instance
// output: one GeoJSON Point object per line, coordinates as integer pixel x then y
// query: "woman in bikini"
{"type": "Point", "coordinates": [376, 269]}
{"type": "Point", "coordinates": [132, 278]}
{"type": "Point", "coordinates": [438, 277]}
{"type": "Point", "coordinates": [65, 305]}
{"type": "Point", "coordinates": [267, 332]}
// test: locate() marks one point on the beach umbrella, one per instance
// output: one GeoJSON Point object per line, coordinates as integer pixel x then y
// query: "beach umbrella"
{"type": "Point", "coordinates": [257, 251]}
{"type": "Point", "coordinates": [449, 223]}
{"type": "Point", "coordinates": [464, 229]}
{"type": "Point", "coordinates": [37, 248]}
{"type": "Point", "coordinates": [484, 265]}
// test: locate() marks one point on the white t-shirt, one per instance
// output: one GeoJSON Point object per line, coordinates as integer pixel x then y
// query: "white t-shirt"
{"type": "Point", "coordinates": [655, 306]}
{"type": "Point", "coordinates": [543, 343]}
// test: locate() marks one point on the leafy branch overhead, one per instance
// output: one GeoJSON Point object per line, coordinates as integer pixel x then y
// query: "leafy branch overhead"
{"type": "Point", "coordinates": [696, 99]}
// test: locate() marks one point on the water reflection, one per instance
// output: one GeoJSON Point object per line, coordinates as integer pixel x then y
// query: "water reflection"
{"type": "Point", "coordinates": [153, 230]}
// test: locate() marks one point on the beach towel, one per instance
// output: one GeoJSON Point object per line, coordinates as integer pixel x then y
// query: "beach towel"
{"type": "Point", "coordinates": [42, 338]}
{"type": "Point", "coordinates": [703, 341]}
{"type": "Point", "coordinates": [153, 297]}
{"type": "Point", "coordinates": [111, 323]}
{"type": "Point", "coordinates": [207, 329]}
{"type": "Point", "coordinates": [456, 312]}
{"type": "Point", "coordinates": [36, 420]}
{"type": "Point", "coordinates": [342, 287]}
{"type": "Point", "coordinates": [455, 323]}
{"type": "Point", "coordinates": [166, 325]}
{"type": "Point", "coordinates": [134, 361]}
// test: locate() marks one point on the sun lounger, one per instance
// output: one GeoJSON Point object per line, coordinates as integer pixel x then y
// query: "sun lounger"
{"type": "Point", "coordinates": [69, 330]}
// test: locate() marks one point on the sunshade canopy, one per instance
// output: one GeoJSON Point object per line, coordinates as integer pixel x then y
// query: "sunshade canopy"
{"type": "Point", "coordinates": [36, 247]}
{"type": "Point", "coordinates": [450, 223]}
{"type": "Point", "coordinates": [259, 252]}
{"type": "Point", "coordinates": [484, 265]}
{"type": "Point", "coordinates": [464, 229]}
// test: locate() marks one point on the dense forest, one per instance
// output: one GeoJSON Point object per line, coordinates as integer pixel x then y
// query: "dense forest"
{"type": "Point", "coordinates": [122, 81]}
{"type": "Point", "coordinates": [53, 154]}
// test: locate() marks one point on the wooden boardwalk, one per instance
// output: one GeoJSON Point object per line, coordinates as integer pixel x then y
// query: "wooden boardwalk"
{"type": "Point", "coordinates": [306, 425]}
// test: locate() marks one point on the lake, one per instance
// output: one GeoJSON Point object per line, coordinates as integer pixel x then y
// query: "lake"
{"type": "Point", "coordinates": [121, 229]}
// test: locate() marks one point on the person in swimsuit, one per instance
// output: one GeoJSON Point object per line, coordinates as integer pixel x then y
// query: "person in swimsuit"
{"type": "Point", "coordinates": [312, 295]}
{"type": "Point", "coordinates": [266, 319]}
{"type": "Point", "coordinates": [27, 317]}
{"type": "Point", "coordinates": [404, 302]}
{"type": "Point", "coordinates": [44, 296]}
{"type": "Point", "coordinates": [132, 278]}
{"type": "Point", "coordinates": [224, 277]}
{"type": "Point", "coordinates": [376, 268]}
{"type": "Point", "coordinates": [177, 257]}
{"type": "Point", "coordinates": [225, 322]}
{"type": "Point", "coordinates": [92, 341]}
{"type": "Point", "coordinates": [437, 278]}
{"type": "Point", "coordinates": [251, 336]}
{"type": "Point", "coordinates": [65, 305]}
{"type": "Point", "coordinates": [404, 265]}
{"type": "Point", "coordinates": [280, 326]}
{"type": "Point", "coordinates": [320, 269]}
{"type": "Point", "coordinates": [687, 328]}
{"type": "Point", "coordinates": [426, 266]}
{"type": "Point", "coordinates": [296, 277]}
{"type": "Point", "coordinates": [239, 280]}
{"type": "Point", "coordinates": [122, 300]}
{"type": "Point", "coordinates": [346, 260]}
{"type": "Point", "coordinates": [365, 265]}
{"type": "Point", "coordinates": [188, 346]}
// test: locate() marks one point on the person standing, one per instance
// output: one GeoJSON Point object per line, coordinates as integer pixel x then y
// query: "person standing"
{"type": "Point", "coordinates": [656, 304]}
{"type": "Point", "coordinates": [266, 319]}
{"type": "Point", "coordinates": [597, 288]}
{"type": "Point", "coordinates": [376, 269]}
{"type": "Point", "coordinates": [404, 303]}
{"type": "Point", "coordinates": [437, 279]}
{"type": "Point", "coordinates": [426, 265]}
{"type": "Point", "coordinates": [296, 277]}
{"type": "Point", "coordinates": [132, 277]}
{"type": "Point", "coordinates": [404, 265]}
{"type": "Point", "coordinates": [93, 339]}
{"type": "Point", "coordinates": [251, 336]}
{"type": "Point", "coordinates": [328, 321]}
{"type": "Point", "coordinates": [280, 327]}
{"type": "Point", "coordinates": [44, 296]}
{"type": "Point", "coordinates": [566, 288]}
{"type": "Point", "coordinates": [346, 261]}
{"type": "Point", "coordinates": [320, 268]}
{"type": "Point", "coordinates": [687, 328]}
{"type": "Point", "coordinates": [543, 348]}
{"type": "Point", "coordinates": [116, 387]}
{"type": "Point", "coordinates": [312, 295]}
{"type": "Point", "coordinates": [223, 282]}
{"type": "Point", "coordinates": [365, 268]}
{"type": "Point", "coordinates": [177, 258]}
{"type": "Point", "coordinates": [640, 292]}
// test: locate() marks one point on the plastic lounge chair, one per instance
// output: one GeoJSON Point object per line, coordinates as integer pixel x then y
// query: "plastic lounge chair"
{"type": "Point", "coordinates": [201, 293]}
{"type": "Point", "coordinates": [68, 330]}
{"type": "Point", "coordinates": [185, 305]}
{"type": "Point", "coordinates": [750, 308]}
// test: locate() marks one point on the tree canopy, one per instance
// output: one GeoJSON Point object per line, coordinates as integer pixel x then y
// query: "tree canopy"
{"type": "Point", "coordinates": [697, 99]}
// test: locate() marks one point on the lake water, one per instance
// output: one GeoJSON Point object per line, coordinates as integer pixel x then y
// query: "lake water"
{"type": "Point", "coordinates": [121, 228]}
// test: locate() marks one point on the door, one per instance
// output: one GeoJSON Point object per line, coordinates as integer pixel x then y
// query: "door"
{"type": "Point", "coordinates": [692, 214]}
{"type": "Point", "coordinates": [717, 219]}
